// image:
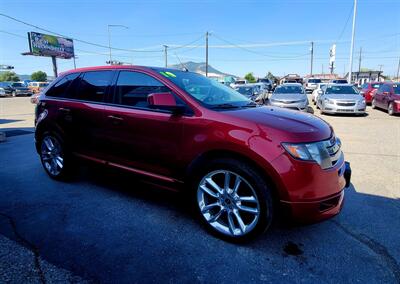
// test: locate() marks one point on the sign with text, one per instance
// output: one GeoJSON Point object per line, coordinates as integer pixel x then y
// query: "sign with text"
{"type": "Point", "coordinates": [49, 45]}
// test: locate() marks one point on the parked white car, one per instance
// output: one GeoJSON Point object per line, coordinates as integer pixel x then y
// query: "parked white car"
{"type": "Point", "coordinates": [318, 91]}
{"type": "Point", "coordinates": [311, 84]}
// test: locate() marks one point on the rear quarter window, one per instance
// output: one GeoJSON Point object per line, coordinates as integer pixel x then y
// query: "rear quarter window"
{"type": "Point", "coordinates": [59, 89]}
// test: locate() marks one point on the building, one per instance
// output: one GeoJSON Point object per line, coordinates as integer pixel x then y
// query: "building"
{"type": "Point", "coordinates": [366, 76]}
{"type": "Point", "coordinates": [326, 77]}
{"type": "Point", "coordinates": [291, 78]}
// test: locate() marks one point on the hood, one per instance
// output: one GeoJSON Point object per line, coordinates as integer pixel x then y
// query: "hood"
{"type": "Point", "coordinates": [293, 126]}
{"type": "Point", "coordinates": [289, 97]}
{"type": "Point", "coordinates": [344, 97]}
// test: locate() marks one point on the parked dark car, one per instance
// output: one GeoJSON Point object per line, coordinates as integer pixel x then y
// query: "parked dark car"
{"type": "Point", "coordinates": [387, 97]}
{"type": "Point", "coordinates": [8, 89]}
{"type": "Point", "coordinates": [267, 82]}
{"type": "Point", "coordinates": [339, 81]}
{"type": "Point", "coordinates": [239, 162]}
{"type": "Point", "coordinates": [250, 91]}
{"type": "Point", "coordinates": [20, 90]}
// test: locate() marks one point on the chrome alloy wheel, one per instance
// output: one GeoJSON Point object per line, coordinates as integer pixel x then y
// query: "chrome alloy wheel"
{"type": "Point", "coordinates": [52, 156]}
{"type": "Point", "coordinates": [228, 203]}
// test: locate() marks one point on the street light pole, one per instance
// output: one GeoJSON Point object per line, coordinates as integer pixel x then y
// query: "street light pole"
{"type": "Point", "coordinates": [109, 37]}
{"type": "Point", "coordinates": [312, 57]}
{"type": "Point", "coordinates": [352, 40]}
{"type": "Point", "coordinates": [207, 54]}
{"type": "Point", "coordinates": [166, 55]}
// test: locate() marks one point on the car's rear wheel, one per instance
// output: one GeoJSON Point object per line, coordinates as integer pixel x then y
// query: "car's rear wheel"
{"type": "Point", "coordinates": [390, 109]}
{"type": "Point", "coordinates": [233, 200]}
{"type": "Point", "coordinates": [373, 105]}
{"type": "Point", "coordinates": [54, 157]}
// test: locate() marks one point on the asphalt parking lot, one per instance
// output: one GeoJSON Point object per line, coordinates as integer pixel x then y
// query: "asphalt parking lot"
{"type": "Point", "coordinates": [104, 226]}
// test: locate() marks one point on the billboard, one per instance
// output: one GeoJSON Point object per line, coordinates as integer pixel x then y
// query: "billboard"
{"type": "Point", "coordinates": [49, 45]}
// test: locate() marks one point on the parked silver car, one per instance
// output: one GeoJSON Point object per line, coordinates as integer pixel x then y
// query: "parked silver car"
{"type": "Point", "coordinates": [290, 95]}
{"type": "Point", "coordinates": [341, 98]}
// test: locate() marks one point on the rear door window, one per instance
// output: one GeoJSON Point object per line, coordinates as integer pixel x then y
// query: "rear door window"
{"type": "Point", "coordinates": [92, 86]}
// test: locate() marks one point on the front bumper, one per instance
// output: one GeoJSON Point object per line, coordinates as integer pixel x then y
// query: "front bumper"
{"type": "Point", "coordinates": [334, 108]}
{"type": "Point", "coordinates": [310, 193]}
{"type": "Point", "coordinates": [295, 106]}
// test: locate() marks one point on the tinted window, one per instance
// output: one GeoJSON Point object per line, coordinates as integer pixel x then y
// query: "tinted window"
{"type": "Point", "coordinates": [59, 89]}
{"type": "Point", "coordinates": [314, 81]}
{"type": "Point", "coordinates": [92, 86]}
{"type": "Point", "coordinates": [133, 88]}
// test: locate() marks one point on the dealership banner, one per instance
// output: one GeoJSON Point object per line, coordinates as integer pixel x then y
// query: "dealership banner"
{"type": "Point", "coordinates": [49, 45]}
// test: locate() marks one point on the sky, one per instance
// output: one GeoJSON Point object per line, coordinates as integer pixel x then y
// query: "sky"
{"type": "Point", "coordinates": [245, 36]}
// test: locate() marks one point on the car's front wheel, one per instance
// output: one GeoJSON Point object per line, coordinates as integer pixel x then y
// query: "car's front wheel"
{"type": "Point", "coordinates": [373, 105]}
{"type": "Point", "coordinates": [53, 156]}
{"type": "Point", "coordinates": [233, 200]}
{"type": "Point", "coordinates": [390, 109]}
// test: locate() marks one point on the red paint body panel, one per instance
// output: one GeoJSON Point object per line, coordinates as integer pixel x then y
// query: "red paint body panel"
{"type": "Point", "coordinates": [369, 90]}
{"type": "Point", "coordinates": [162, 145]}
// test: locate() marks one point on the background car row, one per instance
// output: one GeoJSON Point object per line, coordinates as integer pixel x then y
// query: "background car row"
{"type": "Point", "coordinates": [21, 88]}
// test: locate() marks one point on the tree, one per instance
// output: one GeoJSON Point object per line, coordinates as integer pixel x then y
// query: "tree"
{"type": "Point", "coordinates": [250, 77]}
{"type": "Point", "coordinates": [271, 76]}
{"type": "Point", "coordinates": [9, 76]}
{"type": "Point", "coordinates": [39, 76]}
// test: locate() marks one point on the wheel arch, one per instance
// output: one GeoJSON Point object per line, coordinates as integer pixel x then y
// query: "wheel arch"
{"type": "Point", "coordinates": [267, 174]}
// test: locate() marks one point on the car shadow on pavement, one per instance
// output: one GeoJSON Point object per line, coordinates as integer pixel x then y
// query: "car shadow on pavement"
{"type": "Point", "coordinates": [4, 121]}
{"type": "Point", "coordinates": [108, 226]}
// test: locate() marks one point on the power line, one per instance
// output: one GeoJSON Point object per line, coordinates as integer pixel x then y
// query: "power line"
{"type": "Point", "coordinates": [345, 25]}
{"type": "Point", "coordinates": [75, 39]}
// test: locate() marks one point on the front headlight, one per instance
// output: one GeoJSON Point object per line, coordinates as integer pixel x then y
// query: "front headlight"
{"type": "Point", "coordinates": [317, 151]}
{"type": "Point", "coordinates": [329, 101]}
{"type": "Point", "coordinates": [361, 102]}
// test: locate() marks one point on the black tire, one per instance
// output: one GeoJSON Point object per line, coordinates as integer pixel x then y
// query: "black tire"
{"type": "Point", "coordinates": [65, 171]}
{"type": "Point", "coordinates": [251, 176]}
{"type": "Point", "coordinates": [373, 106]}
{"type": "Point", "coordinates": [390, 109]}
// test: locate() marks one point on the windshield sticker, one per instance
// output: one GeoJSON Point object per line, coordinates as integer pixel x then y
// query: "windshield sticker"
{"type": "Point", "coordinates": [170, 74]}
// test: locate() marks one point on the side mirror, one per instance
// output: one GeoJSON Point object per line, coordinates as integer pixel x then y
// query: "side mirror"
{"type": "Point", "coordinates": [165, 101]}
{"type": "Point", "coordinates": [310, 110]}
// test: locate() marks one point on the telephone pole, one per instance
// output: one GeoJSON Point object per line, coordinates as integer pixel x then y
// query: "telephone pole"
{"type": "Point", "coordinates": [359, 61]}
{"type": "Point", "coordinates": [322, 69]}
{"type": "Point", "coordinates": [398, 69]}
{"type": "Point", "coordinates": [166, 55]}
{"type": "Point", "coordinates": [352, 40]}
{"type": "Point", "coordinates": [207, 34]}
{"type": "Point", "coordinates": [312, 57]}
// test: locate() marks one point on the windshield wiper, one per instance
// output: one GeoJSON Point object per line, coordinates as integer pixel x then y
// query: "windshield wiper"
{"type": "Point", "coordinates": [224, 106]}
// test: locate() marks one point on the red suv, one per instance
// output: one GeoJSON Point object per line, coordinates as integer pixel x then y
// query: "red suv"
{"type": "Point", "coordinates": [368, 90]}
{"type": "Point", "coordinates": [388, 97]}
{"type": "Point", "coordinates": [240, 162]}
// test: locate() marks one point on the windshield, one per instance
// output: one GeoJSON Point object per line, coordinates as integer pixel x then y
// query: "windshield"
{"type": "Point", "coordinates": [350, 90]}
{"type": "Point", "coordinates": [376, 86]}
{"type": "Point", "coordinates": [314, 81]}
{"type": "Point", "coordinates": [289, 90]}
{"type": "Point", "coordinates": [208, 92]}
{"type": "Point", "coordinates": [17, 85]}
{"type": "Point", "coordinates": [43, 84]}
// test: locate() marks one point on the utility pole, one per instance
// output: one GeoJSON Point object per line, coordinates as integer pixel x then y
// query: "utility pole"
{"type": "Point", "coordinates": [352, 40]}
{"type": "Point", "coordinates": [398, 69]}
{"type": "Point", "coordinates": [207, 34]}
{"type": "Point", "coordinates": [74, 62]}
{"type": "Point", "coordinates": [166, 55]}
{"type": "Point", "coordinates": [312, 57]}
{"type": "Point", "coordinates": [359, 61]}
{"type": "Point", "coordinates": [322, 69]}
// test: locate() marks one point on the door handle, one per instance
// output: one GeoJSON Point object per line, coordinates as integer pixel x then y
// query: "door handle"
{"type": "Point", "coordinates": [117, 118]}
{"type": "Point", "coordinates": [65, 110]}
